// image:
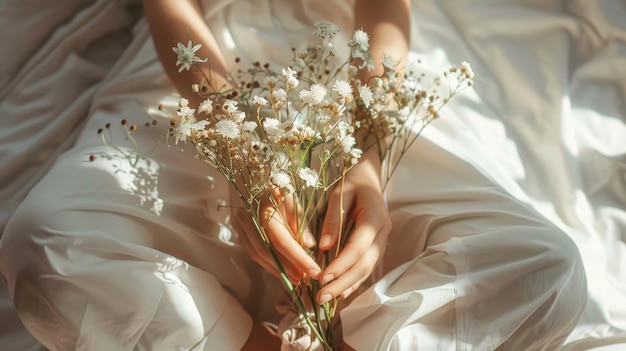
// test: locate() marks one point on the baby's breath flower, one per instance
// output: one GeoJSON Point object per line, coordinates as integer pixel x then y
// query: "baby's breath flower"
{"type": "Point", "coordinates": [182, 102]}
{"type": "Point", "coordinates": [310, 177]}
{"type": "Point", "coordinates": [230, 106]}
{"type": "Point", "coordinates": [343, 88]}
{"type": "Point", "coordinates": [249, 126]}
{"type": "Point", "coordinates": [467, 70]}
{"type": "Point", "coordinates": [360, 39]}
{"type": "Point", "coordinates": [185, 112]}
{"type": "Point", "coordinates": [324, 29]}
{"type": "Point", "coordinates": [389, 63]}
{"type": "Point", "coordinates": [283, 181]}
{"type": "Point", "coordinates": [278, 96]}
{"type": "Point", "coordinates": [272, 127]}
{"type": "Point", "coordinates": [314, 96]}
{"type": "Point", "coordinates": [205, 106]}
{"type": "Point", "coordinates": [270, 82]}
{"type": "Point", "coordinates": [348, 143]}
{"type": "Point", "coordinates": [227, 128]}
{"type": "Point", "coordinates": [187, 55]}
{"type": "Point", "coordinates": [195, 88]}
{"type": "Point", "coordinates": [239, 116]}
{"type": "Point", "coordinates": [289, 76]}
{"type": "Point", "coordinates": [366, 95]}
{"type": "Point", "coordinates": [259, 101]}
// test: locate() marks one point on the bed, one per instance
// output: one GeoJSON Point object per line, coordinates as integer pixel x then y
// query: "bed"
{"type": "Point", "coordinates": [546, 118]}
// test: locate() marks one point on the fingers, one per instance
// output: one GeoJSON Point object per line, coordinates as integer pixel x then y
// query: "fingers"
{"type": "Point", "coordinates": [335, 217]}
{"type": "Point", "coordinates": [352, 278]}
{"type": "Point", "coordinates": [363, 250]}
{"type": "Point", "coordinates": [283, 241]}
{"type": "Point", "coordinates": [251, 241]}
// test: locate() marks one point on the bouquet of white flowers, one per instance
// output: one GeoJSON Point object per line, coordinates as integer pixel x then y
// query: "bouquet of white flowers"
{"type": "Point", "coordinates": [294, 134]}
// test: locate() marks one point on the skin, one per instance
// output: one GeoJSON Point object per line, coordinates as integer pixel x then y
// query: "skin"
{"type": "Point", "coordinates": [388, 24]}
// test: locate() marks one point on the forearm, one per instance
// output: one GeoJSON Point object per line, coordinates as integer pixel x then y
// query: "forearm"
{"type": "Point", "coordinates": [388, 23]}
{"type": "Point", "coordinates": [174, 21]}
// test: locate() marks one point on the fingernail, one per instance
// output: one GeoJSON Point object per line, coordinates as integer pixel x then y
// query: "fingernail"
{"type": "Point", "coordinates": [325, 240]}
{"type": "Point", "coordinates": [314, 273]}
{"type": "Point", "coordinates": [347, 293]}
{"type": "Point", "coordinates": [325, 298]}
{"type": "Point", "coordinates": [327, 278]}
{"type": "Point", "coordinates": [308, 239]}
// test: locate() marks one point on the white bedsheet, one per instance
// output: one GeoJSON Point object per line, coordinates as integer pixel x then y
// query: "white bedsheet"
{"type": "Point", "coordinates": [546, 118]}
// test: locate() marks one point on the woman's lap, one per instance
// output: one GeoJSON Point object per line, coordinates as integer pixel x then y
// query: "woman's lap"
{"type": "Point", "coordinates": [138, 257]}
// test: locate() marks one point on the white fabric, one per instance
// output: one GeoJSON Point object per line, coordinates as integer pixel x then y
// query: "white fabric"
{"type": "Point", "coordinates": [139, 255]}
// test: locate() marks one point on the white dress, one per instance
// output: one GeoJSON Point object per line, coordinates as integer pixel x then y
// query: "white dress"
{"type": "Point", "coordinates": [104, 256]}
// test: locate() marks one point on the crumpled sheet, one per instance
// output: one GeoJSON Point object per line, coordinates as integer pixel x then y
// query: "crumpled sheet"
{"type": "Point", "coordinates": [546, 118]}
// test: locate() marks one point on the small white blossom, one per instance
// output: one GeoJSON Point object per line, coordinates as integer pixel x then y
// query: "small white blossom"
{"type": "Point", "coordinates": [343, 88]}
{"type": "Point", "coordinates": [249, 126]}
{"type": "Point", "coordinates": [360, 39]}
{"type": "Point", "coordinates": [227, 128]}
{"type": "Point", "coordinates": [389, 63]}
{"type": "Point", "coordinates": [366, 95]}
{"type": "Point", "coordinates": [467, 70]}
{"type": "Point", "coordinates": [272, 127]}
{"type": "Point", "coordinates": [310, 177]}
{"type": "Point", "coordinates": [270, 81]}
{"type": "Point", "coordinates": [205, 106]}
{"type": "Point", "coordinates": [259, 101]}
{"type": "Point", "coordinates": [355, 154]}
{"type": "Point", "coordinates": [325, 29]}
{"type": "Point", "coordinates": [283, 181]}
{"type": "Point", "coordinates": [230, 106]}
{"type": "Point", "coordinates": [186, 113]}
{"type": "Point", "coordinates": [314, 96]}
{"type": "Point", "coordinates": [348, 143]}
{"type": "Point", "coordinates": [239, 116]}
{"type": "Point", "coordinates": [182, 102]}
{"type": "Point", "coordinates": [279, 96]}
{"type": "Point", "coordinates": [289, 76]}
{"type": "Point", "coordinates": [195, 88]}
{"type": "Point", "coordinates": [187, 55]}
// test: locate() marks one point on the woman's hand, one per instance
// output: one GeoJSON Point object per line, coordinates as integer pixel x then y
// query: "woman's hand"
{"type": "Point", "coordinates": [364, 204]}
{"type": "Point", "coordinates": [290, 252]}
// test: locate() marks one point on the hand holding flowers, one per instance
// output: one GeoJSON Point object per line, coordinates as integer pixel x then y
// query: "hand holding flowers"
{"type": "Point", "coordinates": [303, 149]}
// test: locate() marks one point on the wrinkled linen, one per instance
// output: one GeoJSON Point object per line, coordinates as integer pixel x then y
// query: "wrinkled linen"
{"type": "Point", "coordinates": [101, 255]}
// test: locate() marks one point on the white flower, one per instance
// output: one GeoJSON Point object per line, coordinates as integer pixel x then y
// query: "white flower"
{"type": "Point", "coordinates": [348, 143]}
{"type": "Point", "coordinates": [279, 96]}
{"type": "Point", "coordinates": [186, 113]}
{"type": "Point", "coordinates": [325, 29]}
{"type": "Point", "coordinates": [230, 106]}
{"type": "Point", "coordinates": [205, 106]}
{"type": "Point", "coordinates": [182, 102]}
{"type": "Point", "coordinates": [187, 55]}
{"type": "Point", "coordinates": [259, 101]}
{"type": "Point", "coordinates": [272, 127]}
{"type": "Point", "coordinates": [249, 126]}
{"type": "Point", "coordinates": [310, 177]}
{"type": "Point", "coordinates": [343, 88]}
{"type": "Point", "coordinates": [289, 76]}
{"type": "Point", "coordinates": [195, 88]}
{"type": "Point", "coordinates": [388, 62]}
{"type": "Point", "coordinates": [366, 95]}
{"type": "Point", "coordinates": [283, 181]}
{"type": "Point", "coordinates": [355, 154]}
{"type": "Point", "coordinates": [360, 39]}
{"type": "Point", "coordinates": [467, 70]}
{"type": "Point", "coordinates": [314, 96]}
{"type": "Point", "coordinates": [199, 126]}
{"type": "Point", "coordinates": [239, 116]}
{"type": "Point", "coordinates": [228, 128]}
{"type": "Point", "coordinates": [270, 81]}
